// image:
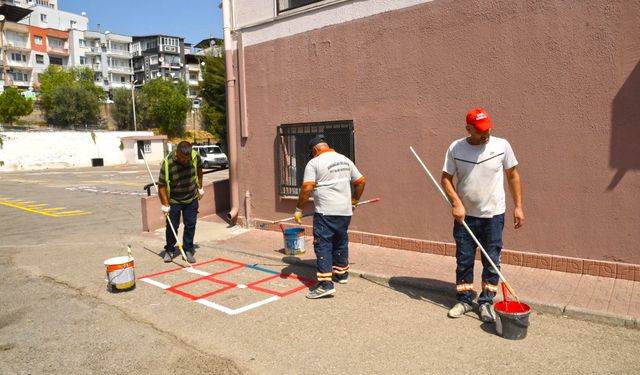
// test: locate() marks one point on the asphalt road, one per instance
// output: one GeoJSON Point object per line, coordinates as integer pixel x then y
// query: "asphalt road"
{"type": "Point", "coordinates": [57, 316]}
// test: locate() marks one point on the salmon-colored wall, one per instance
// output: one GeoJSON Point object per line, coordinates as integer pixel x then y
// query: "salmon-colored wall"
{"type": "Point", "coordinates": [36, 31]}
{"type": "Point", "coordinates": [561, 81]}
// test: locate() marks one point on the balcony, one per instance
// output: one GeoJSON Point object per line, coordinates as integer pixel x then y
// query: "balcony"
{"type": "Point", "coordinates": [93, 51]}
{"type": "Point", "coordinates": [58, 52]}
{"type": "Point", "coordinates": [121, 69]}
{"type": "Point", "coordinates": [96, 67]}
{"type": "Point", "coordinates": [21, 47]}
{"type": "Point", "coordinates": [119, 53]}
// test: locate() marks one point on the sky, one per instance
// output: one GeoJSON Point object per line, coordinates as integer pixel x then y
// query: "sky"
{"type": "Point", "coordinates": [194, 20]}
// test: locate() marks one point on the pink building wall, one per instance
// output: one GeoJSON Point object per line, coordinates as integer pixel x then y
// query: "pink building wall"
{"type": "Point", "coordinates": [560, 79]}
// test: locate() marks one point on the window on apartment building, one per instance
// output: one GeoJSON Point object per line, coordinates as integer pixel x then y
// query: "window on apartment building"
{"type": "Point", "coordinates": [19, 76]}
{"type": "Point", "coordinates": [39, 59]}
{"type": "Point", "coordinates": [153, 60]}
{"type": "Point", "coordinates": [37, 40]}
{"type": "Point", "coordinates": [293, 149]}
{"type": "Point", "coordinates": [82, 42]}
{"type": "Point", "coordinates": [18, 57]}
{"type": "Point", "coordinates": [43, 17]}
{"type": "Point", "coordinates": [57, 44]}
{"type": "Point", "coordinates": [54, 60]}
{"type": "Point", "coordinates": [284, 5]}
{"type": "Point", "coordinates": [150, 44]}
{"type": "Point", "coordinates": [72, 24]}
{"type": "Point", "coordinates": [83, 60]}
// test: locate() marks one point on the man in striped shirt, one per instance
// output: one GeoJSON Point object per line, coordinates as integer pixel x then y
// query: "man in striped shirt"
{"type": "Point", "coordinates": [330, 176]}
{"type": "Point", "coordinates": [180, 187]}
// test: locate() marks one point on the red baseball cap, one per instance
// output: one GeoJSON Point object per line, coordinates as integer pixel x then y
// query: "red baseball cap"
{"type": "Point", "coordinates": [480, 120]}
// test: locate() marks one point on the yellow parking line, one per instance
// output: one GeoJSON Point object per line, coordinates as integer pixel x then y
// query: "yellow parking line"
{"type": "Point", "coordinates": [27, 209]}
{"type": "Point", "coordinates": [36, 205]}
{"type": "Point", "coordinates": [73, 214]}
{"type": "Point", "coordinates": [116, 183]}
{"type": "Point", "coordinates": [48, 211]}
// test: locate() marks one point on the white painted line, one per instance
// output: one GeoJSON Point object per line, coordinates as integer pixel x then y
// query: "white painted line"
{"type": "Point", "coordinates": [193, 270]}
{"type": "Point", "coordinates": [225, 310]}
{"type": "Point", "coordinates": [241, 286]}
{"type": "Point", "coordinates": [153, 282]}
{"type": "Point", "coordinates": [254, 305]}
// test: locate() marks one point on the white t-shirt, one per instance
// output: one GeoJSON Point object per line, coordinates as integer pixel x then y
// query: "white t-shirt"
{"type": "Point", "coordinates": [480, 174]}
{"type": "Point", "coordinates": [332, 175]}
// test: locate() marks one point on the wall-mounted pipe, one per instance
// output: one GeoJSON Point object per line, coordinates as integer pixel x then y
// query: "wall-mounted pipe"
{"type": "Point", "coordinates": [242, 89]}
{"type": "Point", "coordinates": [232, 136]}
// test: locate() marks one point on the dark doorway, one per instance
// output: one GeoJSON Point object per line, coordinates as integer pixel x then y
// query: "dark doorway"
{"type": "Point", "coordinates": [140, 149]}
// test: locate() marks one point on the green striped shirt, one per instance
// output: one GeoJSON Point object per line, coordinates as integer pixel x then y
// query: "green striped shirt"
{"type": "Point", "coordinates": [184, 188]}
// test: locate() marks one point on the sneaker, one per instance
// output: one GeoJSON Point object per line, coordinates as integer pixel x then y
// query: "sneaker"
{"type": "Point", "coordinates": [190, 257]}
{"type": "Point", "coordinates": [486, 313]}
{"type": "Point", "coordinates": [168, 257]}
{"type": "Point", "coordinates": [320, 292]}
{"type": "Point", "coordinates": [341, 281]}
{"type": "Point", "coordinates": [459, 309]}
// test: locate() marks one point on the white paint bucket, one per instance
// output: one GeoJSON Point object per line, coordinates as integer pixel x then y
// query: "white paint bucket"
{"type": "Point", "coordinates": [294, 241]}
{"type": "Point", "coordinates": [120, 273]}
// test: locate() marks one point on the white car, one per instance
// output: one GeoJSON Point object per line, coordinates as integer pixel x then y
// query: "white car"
{"type": "Point", "coordinates": [212, 156]}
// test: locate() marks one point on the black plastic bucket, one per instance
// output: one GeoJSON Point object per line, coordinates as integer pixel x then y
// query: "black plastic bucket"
{"type": "Point", "coordinates": [513, 319]}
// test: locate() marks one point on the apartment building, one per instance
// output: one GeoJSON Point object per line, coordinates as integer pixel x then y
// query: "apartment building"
{"type": "Point", "coordinates": [108, 55]}
{"type": "Point", "coordinates": [36, 34]}
{"type": "Point", "coordinates": [157, 56]}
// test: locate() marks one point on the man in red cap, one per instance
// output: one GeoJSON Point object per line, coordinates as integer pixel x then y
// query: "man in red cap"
{"type": "Point", "coordinates": [479, 163]}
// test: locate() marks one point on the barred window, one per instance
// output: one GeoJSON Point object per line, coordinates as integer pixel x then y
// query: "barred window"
{"type": "Point", "coordinates": [293, 149]}
{"type": "Point", "coordinates": [284, 5]}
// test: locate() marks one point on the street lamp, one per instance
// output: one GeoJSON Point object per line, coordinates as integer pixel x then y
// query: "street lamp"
{"type": "Point", "coordinates": [133, 102]}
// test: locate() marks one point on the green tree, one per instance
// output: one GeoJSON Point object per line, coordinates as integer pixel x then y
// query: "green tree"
{"type": "Point", "coordinates": [213, 93]}
{"type": "Point", "coordinates": [122, 109]}
{"type": "Point", "coordinates": [165, 105]}
{"type": "Point", "coordinates": [14, 105]}
{"type": "Point", "coordinates": [69, 96]}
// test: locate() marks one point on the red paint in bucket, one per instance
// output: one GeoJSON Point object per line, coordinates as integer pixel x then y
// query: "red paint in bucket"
{"type": "Point", "coordinates": [512, 307]}
{"type": "Point", "coordinates": [513, 319]}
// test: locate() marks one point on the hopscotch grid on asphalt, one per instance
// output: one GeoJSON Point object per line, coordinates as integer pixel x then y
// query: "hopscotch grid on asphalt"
{"type": "Point", "coordinates": [225, 285]}
{"type": "Point", "coordinates": [36, 208]}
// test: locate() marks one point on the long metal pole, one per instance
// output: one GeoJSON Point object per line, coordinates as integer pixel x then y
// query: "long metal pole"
{"type": "Point", "coordinates": [484, 252]}
{"type": "Point", "coordinates": [184, 256]}
{"type": "Point", "coordinates": [133, 101]}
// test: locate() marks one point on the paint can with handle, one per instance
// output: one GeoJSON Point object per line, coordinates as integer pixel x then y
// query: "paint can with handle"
{"type": "Point", "coordinates": [513, 317]}
{"type": "Point", "coordinates": [120, 274]}
{"type": "Point", "coordinates": [294, 241]}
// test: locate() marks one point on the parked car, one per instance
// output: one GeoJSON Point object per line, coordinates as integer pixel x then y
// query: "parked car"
{"type": "Point", "coordinates": [212, 156]}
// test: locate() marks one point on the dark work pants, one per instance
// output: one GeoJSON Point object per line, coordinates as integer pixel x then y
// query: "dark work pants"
{"type": "Point", "coordinates": [189, 213]}
{"type": "Point", "coordinates": [489, 232]}
{"type": "Point", "coordinates": [331, 245]}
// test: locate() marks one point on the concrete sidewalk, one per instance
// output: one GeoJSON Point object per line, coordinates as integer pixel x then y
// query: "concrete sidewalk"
{"type": "Point", "coordinates": [601, 299]}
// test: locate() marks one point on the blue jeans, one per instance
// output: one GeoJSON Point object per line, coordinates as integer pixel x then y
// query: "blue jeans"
{"type": "Point", "coordinates": [489, 232]}
{"type": "Point", "coordinates": [189, 212]}
{"type": "Point", "coordinates": [331, 245]}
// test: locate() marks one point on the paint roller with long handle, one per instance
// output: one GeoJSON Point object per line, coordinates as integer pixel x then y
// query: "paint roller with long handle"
{"type": "Point", "coordinates": [184, 256]}
{"type": "Point", "coordinates": [307, 215]}
{"type": "Point", "coordinates": [484, 252]}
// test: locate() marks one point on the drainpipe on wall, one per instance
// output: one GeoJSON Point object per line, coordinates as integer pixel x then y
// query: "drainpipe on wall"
{"type": "Point", "coordinates": [232, 137]}
{"type": "Point", "coordinates": [247, 209]}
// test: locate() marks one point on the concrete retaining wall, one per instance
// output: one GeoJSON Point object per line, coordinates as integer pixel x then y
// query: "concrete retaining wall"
{"type": "Point", "coordinates": [215, 200]}
{"type": "Point", "coordinates": [59, 149]}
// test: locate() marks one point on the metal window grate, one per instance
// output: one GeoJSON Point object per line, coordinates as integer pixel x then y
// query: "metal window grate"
{"type": "Point", "coordinates": [293, 149]}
